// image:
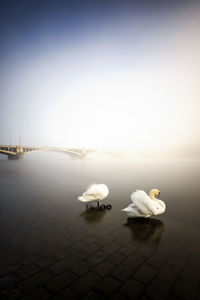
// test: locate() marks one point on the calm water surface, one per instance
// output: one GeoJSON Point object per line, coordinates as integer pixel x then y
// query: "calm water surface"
{"type": "Point", "coordinates": [53, 177]}
{"type": "Point", "coordinates": [44, 188]}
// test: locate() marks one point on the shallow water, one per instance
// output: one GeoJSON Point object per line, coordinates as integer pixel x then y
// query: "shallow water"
{"type": "Point", "coordinates": [54, 174]}
{"type": "Point", "coordinates": [39, 194]}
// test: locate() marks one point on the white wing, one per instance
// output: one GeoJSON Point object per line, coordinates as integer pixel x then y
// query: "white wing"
{"type": "Point", "coordinates": [87, 198]}
{"type": "Point", "coordinates": [161, 206]}
{"type": "Point", "coordinates": [132, 211]}
{"type": "Point", "coordinates": [98, 191]}
{"type": "Point", "coordinates": [144, 204]}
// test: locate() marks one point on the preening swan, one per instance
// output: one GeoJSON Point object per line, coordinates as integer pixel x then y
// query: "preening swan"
{"type": "Point", "coordinates": [145, 206]}
{"type": "Point", "coordinates": [96, 192]}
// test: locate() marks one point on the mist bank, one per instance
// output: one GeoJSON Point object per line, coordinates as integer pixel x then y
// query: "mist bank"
{"type": "Point", "coordinates": [187, 151]}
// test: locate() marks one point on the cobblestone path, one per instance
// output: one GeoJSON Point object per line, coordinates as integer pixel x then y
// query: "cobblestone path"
{"type": "Point", "coordinates": [51, 252]}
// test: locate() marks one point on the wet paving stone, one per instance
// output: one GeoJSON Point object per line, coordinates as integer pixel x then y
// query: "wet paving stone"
{"type": "Point", "coordinates": [9, 268]}
{"type": "Point", "coordinates": [85, 283]}
{"type": "Point", "coordinates": [30, 259]}
{"type": "Point", "coordinates": [108, 285]}
{"type": "Point", "coordinates": [158, 290]}
{"type": "Point", "coordinates": [66, 293]}
{"type": "Point", "coordinates": [104, 268]}
{"type": "Point", "coordinates": [51, 252]}
{"type": "Point", "coordinates": [194, 260]}
{"type": "Point", "coordinates": [156, 261]}
{"type": "Point", "coordinates": [38, 293]}
{"type": "Point", "coordinates": [190, 274]}
{"type": "Point", "coordinates": [47, 251]}
{"type": "Point", "coordinates": [128, 249]}
{"type": "Point", "coordinates": [93, 295]}
{"type": "Point", "coordinates": [97, 257]}
{"type": "Point", "coordinates": [123, 272]}
{"type": "Point", "coordinates": [145, 251]}
{"type": "Point", "coordinates": [10, 293]}
{"type": "Point", "coordinates": [46, 262]}
{"type": "Point", "coordinates": [116, 258]}
{"type": "Point", "coordinates": [117, 296]}
{"type": "Point", "coordinates": [134, 260]}
{"type": "Point", "coordinates": [145, 274]}
{"type": "Point", "coordinates": [111, 248]}
{"type": "Point", "coordinates": [8, 281]}
{"type": "Point", "coordinates": [185, 289]}
{"type": "Point", "coordinates": [132, 289]}
{"type": "Point", "coordinates": [90, 248]}
{"type": "Point", "coordinates": [60, 281]}
{"type": "Point", "coordinates": [168, 273]}
{"type": "Point", "coordinates": [34, 281]}
{"type": "Point", "coordinates": [27, 271]}
{"type": "Point", "coordinates": [82, 268]}
{"type": "Point", "coordinates": [60, 266]}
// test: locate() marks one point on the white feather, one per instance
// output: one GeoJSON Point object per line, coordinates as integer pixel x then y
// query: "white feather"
{"type": "Point", "coordinates": [96, 192]}
{"type": "Point", "coordinates": [143, 206]}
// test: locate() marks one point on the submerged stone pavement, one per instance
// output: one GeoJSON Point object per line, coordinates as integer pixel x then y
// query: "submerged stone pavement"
{"type": "Point", "coordinates": [49, 251]}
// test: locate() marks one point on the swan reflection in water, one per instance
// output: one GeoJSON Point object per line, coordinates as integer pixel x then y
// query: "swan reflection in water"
{"type": "Point", "coordinates": [93, 215]}
{"type": "Point", "coordinates": [146, 230]}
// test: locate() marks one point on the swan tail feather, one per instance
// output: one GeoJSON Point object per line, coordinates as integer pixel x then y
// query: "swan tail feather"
{"type": "Point", "coordinates": [82, 198]}
{"type": "Point", "coordinates": [127, 209]}
{"type": "Point", "coordinates": [87, 198]}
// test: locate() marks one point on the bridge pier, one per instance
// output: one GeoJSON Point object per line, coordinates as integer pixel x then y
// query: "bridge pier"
{"type": "Point", "coordinates": [15, 157]}
{"type": "Point", "coordinates": [75, 156]}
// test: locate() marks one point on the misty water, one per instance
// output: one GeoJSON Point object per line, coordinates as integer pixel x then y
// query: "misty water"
{"type": "Point", "coordinates": [43, 188]}
{"type": "Point", "coordinates": [42, 177]}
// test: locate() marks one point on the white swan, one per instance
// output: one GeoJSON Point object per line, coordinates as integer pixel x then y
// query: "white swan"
{"type": "Point", "coordinates": [144, 205]}
{"type": "Point", "coordinates": [96, 192]}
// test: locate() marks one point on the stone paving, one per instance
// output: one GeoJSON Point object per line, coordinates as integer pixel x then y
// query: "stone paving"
{"type": "Point", "coordinates": [49, 252]}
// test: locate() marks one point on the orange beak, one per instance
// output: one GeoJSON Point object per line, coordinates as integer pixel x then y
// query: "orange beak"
{"type": "Point", "coordinates": [159, 195]}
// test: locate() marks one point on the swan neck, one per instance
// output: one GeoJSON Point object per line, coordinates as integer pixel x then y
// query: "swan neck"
{"type": "Point", "coordinates": [152, 196]}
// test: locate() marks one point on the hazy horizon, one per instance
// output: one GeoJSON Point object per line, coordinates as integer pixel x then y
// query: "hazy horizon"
{"type": "Point", "coordinates": [108, 75]}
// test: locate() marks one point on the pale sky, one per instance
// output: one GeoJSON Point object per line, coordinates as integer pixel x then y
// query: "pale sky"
{"type": "Point", "coordinates": [123, 78]}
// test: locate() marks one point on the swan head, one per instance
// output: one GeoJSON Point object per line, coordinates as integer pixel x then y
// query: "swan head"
{"type": "Point", "coordinates": [153, 193]}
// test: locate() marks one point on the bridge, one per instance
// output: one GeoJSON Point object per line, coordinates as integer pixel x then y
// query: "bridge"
{"type": "Point", "coordinates": [17, 152]}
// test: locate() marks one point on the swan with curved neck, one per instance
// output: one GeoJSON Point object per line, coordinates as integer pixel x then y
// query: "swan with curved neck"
{"type": "Point", "coordinates": [144, 205]}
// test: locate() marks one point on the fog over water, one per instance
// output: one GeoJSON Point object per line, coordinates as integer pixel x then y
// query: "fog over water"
{"type": "Point", "coordinates": [64, 179]}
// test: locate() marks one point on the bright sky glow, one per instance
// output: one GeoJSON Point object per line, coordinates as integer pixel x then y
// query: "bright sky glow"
{"type": "Point", "coordinates": [128, 84]}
